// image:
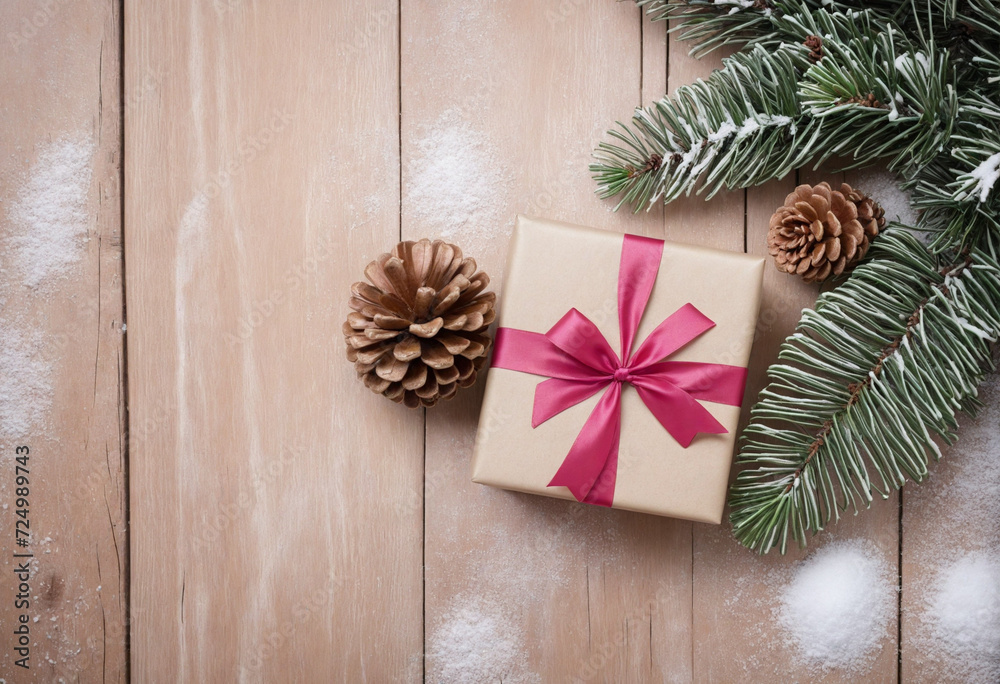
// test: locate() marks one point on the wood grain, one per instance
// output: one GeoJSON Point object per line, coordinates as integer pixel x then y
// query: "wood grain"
{"type": "Point", "coordinates": [949, 531]}
{"type": "Point", "coordinates": [61, 355]}
{"type": "Point", "coordinates": [567, 591]}
{"type": "Point", "coordinates": [276, 507]}
{"type": "Point", "coordinates": [288, 525]}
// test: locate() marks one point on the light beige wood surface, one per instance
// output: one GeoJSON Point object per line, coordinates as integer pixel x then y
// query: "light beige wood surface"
{"type": "Point", "coordinates": [276, 517]}
{"type": "Point", "coordinates": [62, 362]}
{"type": "Point", "coordinates": [736, 591]}
{"type": "Point", "coordinates": [286, 523]}
{"type": "Point", "coordinates": [570, 591]}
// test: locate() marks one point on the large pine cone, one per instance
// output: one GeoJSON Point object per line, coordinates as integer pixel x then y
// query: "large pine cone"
{"type": "Point", "coordinates": [418, 331]}
{"type": "Point", "coordinates": [820, 231]}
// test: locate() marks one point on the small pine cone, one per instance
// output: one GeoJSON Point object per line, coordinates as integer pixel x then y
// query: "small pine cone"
{"type": "Point", "coordinates": [815, 45]}
{"type": "Point", "coordinates": [820, 231]}
{"type": "Point", "coordinates": [418, 332]}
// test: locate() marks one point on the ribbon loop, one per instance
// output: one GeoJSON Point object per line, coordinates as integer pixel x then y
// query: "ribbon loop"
{"type": "Point", "coordinates": [580, 362]}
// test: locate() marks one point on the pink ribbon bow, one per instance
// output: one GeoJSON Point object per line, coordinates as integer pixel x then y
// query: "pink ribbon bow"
{"type": "Point", "coordinates": [580, 363]}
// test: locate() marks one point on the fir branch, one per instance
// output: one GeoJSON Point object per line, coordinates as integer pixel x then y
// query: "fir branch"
{"type": "Point", "coordinates": [882, 96]}
{"type": "Point", "coordinates": [845, 85]}
{"type": "Point", "coordinates": [959, 192]}
{"type": "Point", "coordinates": [709, 25]}
{"type": "Point", "coordinates": [740, 127]}
{"type": "Point", "coordinates": [871, 377]}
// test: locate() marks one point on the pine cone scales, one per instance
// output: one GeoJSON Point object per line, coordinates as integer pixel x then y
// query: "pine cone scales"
{"type": "Point", "coordinates": [418, 332]}
{"type": "Point", "coordinates": [819, 231]}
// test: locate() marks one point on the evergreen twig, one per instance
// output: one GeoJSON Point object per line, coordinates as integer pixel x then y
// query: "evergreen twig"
{"type": "Point", "coordinates": [869, 380]}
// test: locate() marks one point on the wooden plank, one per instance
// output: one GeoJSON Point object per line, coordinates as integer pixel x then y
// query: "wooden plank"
{"type": "Point", "coordinates": [950, 550]}
{"type": "Point", "coordinates": [727, 577]}
{"type": "Point", "coordinates": [502, 107]}
{"type": "Point", "coordinates": [275, 532]}
{"type": "Point", "coordinates": [61, 358]}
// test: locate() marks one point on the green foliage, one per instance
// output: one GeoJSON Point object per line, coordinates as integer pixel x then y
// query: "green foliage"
{"type": "Point", "coordinates": [873, 377]}
{"type": "Point", "coordinates": [913, 85]}
{"type": "Point", "coordinates": [741, 127]}
{"type": "Point", "coordinates": [869, 380]}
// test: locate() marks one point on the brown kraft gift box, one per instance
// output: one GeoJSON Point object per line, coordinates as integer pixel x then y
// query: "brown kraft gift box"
{"type": "Point", "coordinates": [553, 267]}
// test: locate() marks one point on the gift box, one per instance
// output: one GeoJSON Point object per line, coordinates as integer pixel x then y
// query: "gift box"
{"type": "Point", "coordinates": [564, 416]}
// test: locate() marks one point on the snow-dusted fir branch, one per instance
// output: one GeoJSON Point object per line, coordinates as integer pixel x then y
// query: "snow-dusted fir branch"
{"type": "Point", "coordinates": [709, 24]}
{"type": "Point", "coordinates": [876, 373]}
{"type": "Point", "coordinates": [740, 127]}
{"type": "Point", "coordinates": [958, 193]}
{"type": "Point", "coordinates": [870, 378]}
{"type": "Point", "coordinates": [846, 85]}
{"type": "Point", "coordinates": [880, 95]}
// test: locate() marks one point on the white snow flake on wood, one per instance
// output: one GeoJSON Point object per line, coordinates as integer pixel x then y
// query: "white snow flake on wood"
{"type": "Point", "coordinates": [454, 183]}
{"type": "Point", "coordinates": [837, 606]}
{"type": "Point", "coordinates": [48, 219]}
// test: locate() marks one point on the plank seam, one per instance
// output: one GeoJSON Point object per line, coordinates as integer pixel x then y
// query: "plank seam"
{"type": "Point", "coordinates": [124, 448]}
{"type": "Point", "coordinates": [899, 594]}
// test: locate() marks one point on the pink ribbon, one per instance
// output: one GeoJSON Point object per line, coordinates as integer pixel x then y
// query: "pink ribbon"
{"type": "Point", "coordinates": [579, 363]}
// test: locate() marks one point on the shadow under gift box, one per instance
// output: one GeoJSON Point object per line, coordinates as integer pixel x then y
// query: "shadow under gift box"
{"type": "Point", "coordinates": [553, 267]}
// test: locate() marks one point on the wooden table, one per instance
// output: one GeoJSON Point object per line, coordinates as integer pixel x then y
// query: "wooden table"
{"type": "Point", "coordinates": [231, 503]}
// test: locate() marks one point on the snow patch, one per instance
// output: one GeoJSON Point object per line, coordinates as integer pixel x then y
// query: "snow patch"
{"type": "Point", "coordinates": [838, 605]}
{"type": "Point", "coordinates": [25, 382]}
{"type": "Point", "coordinates": [964, 612]}
{"type": "Point", "coordinates": [48, 218]}
{"type": "Point", "coordinates": [453, 186]}
{"type": "Point", "coordinates": [477, 643]}
{"type": "Point", "coordinates": [986, 175]}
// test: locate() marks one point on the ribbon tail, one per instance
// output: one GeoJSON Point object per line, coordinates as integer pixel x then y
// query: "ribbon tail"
{"type": "Point", "coordinates": [603, 491]}
{"type": "Point", "coordinates": [595, 447]}
{"type": "Point", "coordinates": [637, 271]}
{"type": "Point", "coordinates": [678, 412]}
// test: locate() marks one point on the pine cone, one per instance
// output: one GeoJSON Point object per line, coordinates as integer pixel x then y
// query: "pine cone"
{"type": "Point", "coordinates": [815, 45]}
{"type": "Point", "coordinates": [820, 231]}
{"type": "Point", "coordinates": [418, 332]}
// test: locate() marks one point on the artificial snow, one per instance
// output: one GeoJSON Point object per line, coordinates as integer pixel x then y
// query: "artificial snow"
{"type": "Point", "coordinates": [964, 609]}
{"type": "Point", "coordinates": [452, 186]}
{"type": "Point", "coordinates": [883, 187]}
{"type": "Point", "coordinates": [837, 607]}
{"type": "Point", "coordinates": [755, 122]}
{"type": "Point", "coordinates": [955, 540]}
{"type": "Point", "coordinates": [48, 218]}
{"type": "Point", "coordinates": [25, 382]}
{"type": "Point", "coordinates": [476, 643]}
{"type": "Point", "coordinates": [748, 127]}
{"type": "Point", "coordinates": [725, 130]}
{"type": "Point", "coordinates": [986, 174]}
